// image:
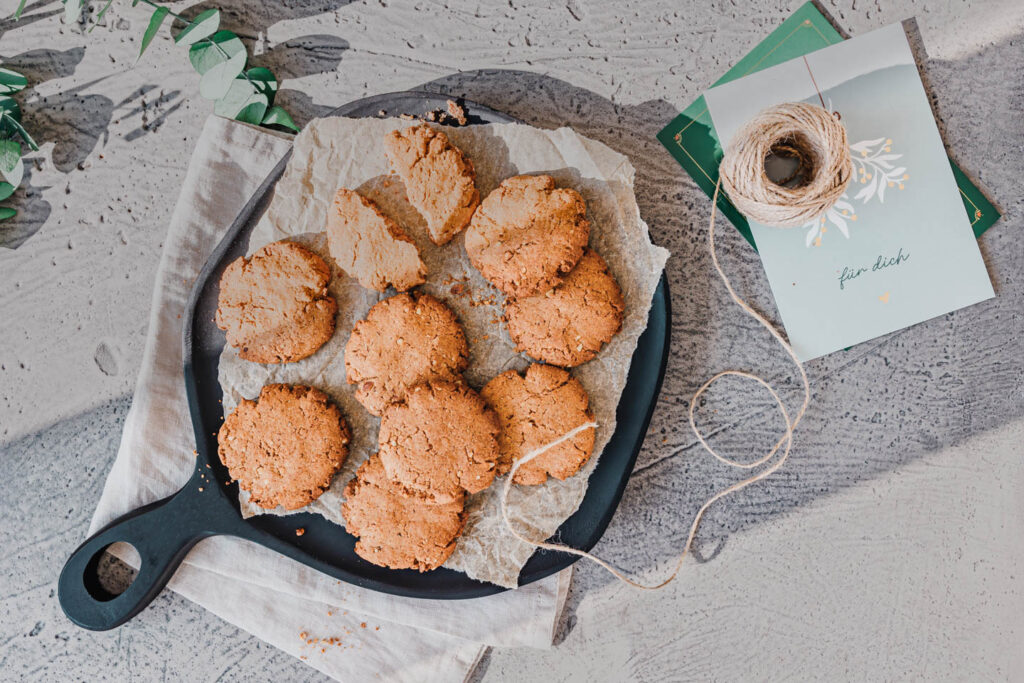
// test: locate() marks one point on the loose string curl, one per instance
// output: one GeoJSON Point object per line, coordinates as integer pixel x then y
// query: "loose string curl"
{"type": "Point", "coordinates": [818, 141]}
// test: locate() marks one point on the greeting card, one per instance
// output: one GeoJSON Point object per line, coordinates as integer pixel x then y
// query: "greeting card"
{"type": "Point", "coordinates": [898, 248]}
{"type": "Point", "coordinates": [691, 139]}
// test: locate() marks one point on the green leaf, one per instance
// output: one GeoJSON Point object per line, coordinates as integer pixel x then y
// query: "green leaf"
{"type": "Point", "coordinates": [217, 82]}
{"type": "Point", "coordinates": [10, 154]}
{"type": "Point", "coordinates": [7, 212]}
{"type": "Point", "coordinates": [14, 175]}
{"type": "Point", "coordinates": [11, 81]}
{"type": "Point", "coordinates": [21, 8]}
{"type": "Point", "coordinates": [242, 102]}
{"type": "Point", "coordinates": [277, 116]}
{"type": "Point", "coordinates": [6, 190]}
{"type": "Point", "coordinates": [10, 106]}
{"type": "Point", "coordinates": [203, 26]}
{"type": "Point", "coordinates": [264, 80]}
{"type": "Point", "coordinates": [154, 25]}
{"type": "Point", "coordinates": [12, 124]}
{"type": "Point", "coordinates": [72, 11]}
{"type": "Point", "coordinates": [218, 48]}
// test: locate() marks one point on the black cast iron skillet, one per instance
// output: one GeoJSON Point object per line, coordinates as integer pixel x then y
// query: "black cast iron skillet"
{"type": "Point", "coordinates": [163, 532]}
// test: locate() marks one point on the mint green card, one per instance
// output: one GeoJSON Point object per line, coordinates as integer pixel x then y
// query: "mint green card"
{"type": "Point", "coordinates": [691, 139]}
{"type": "Point", "coordinates": [898, 247]}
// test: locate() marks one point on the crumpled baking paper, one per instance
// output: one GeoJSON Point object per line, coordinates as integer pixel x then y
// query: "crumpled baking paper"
{"type": "Point", "coordinates": [340, 152]}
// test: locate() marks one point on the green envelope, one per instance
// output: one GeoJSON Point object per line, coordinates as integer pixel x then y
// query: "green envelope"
{"type": "Point", "coordinates": [691, 138]}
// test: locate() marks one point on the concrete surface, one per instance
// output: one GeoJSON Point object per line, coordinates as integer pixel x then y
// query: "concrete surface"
{"type": "Point", "coordinates": [889, 547]}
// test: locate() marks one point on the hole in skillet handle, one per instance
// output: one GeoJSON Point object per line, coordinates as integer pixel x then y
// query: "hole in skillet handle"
{"type": "Point", "coordinates": [161, 533]}
{"type": "Point", "coordinates": [107, 576]}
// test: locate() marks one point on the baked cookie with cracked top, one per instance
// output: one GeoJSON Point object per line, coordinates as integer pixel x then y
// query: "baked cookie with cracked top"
{"type": "Point", "coordinates": [535, 409]}
{"type": "Point", "coordinates": [439, 180]}
{"type": "Point", "coordinates": [397, 527]}
{"type": "Point", "coordinates": [274, 306]}
{"type": "Point", "coordinates": [404, 340]}
{"type": "Point", "coordinates": [284, 447]}
{"type": "Point", "coordinates": [527, 233]}
{"type": "Point", "coordinates": [441, 440]}
{"type": "Point", "coordinates": [370, 246]}
{"type": "Point", "coordinates": [568, 325]}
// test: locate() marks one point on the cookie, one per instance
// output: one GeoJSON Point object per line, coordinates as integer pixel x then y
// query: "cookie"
{"type": "Point", "coordinates": [404, 340]}
{"type": "Point", "coordinates": [568, 325]}
{"type": "Point", "coordinates": [441, 440]}
{"type": "Point", "coordinates": [284, 447]}
{"type": "Point", "coordinates": [535, 410]}
{"type": "Point", "coordinates": [371, 247]}
{"type": "Point", "coordinates": [439, 179]}
{"type": "Point", "coordinates": [396, 527]}
{"type": "Point", "coordinates": [274, 305]}
{"type": "Point", "coordinates": [527, 233]}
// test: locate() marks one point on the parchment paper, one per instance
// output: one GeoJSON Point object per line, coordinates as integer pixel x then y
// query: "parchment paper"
{"type": "Point", "coordinates": [335, 152]}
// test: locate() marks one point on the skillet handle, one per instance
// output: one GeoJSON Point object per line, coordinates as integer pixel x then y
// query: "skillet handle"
{"type": "Point", "coordinates": [162, 532]}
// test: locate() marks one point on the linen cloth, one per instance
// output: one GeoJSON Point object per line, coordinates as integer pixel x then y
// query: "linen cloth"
{"type": "Point", "coordinates": [371, 635]}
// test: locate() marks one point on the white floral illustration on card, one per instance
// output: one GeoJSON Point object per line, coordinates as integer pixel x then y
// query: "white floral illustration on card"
{"type": "Point", "coordinates": [874, 168]}
{"type": "Point", "coordinates": [837, 216]}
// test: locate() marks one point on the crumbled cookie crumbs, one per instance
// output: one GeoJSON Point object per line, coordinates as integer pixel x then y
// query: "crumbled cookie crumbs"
{"type": "Point", "coordinates": [456, 111]}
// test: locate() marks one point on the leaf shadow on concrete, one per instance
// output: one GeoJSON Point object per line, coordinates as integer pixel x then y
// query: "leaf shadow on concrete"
{"type": "Point", "coordinates": [71, 119]}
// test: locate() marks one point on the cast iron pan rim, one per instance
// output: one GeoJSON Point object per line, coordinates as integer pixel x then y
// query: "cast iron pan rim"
{"type": "Point", "coordinates": [474, 589]}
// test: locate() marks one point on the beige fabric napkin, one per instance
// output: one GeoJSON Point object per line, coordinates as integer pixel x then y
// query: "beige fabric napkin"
{"type": "Point", "coordinates": [269, 595]}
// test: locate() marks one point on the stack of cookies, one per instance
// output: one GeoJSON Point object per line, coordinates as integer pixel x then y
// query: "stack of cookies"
{"type": "Point", "coordinates": [439, 441]}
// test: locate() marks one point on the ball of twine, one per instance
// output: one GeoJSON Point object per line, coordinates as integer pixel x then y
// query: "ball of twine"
{"type": "Point", "coordinates": [807, 132]}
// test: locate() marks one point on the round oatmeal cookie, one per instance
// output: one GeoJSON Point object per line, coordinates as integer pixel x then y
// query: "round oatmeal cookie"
{"type": "Point", "coordinates": [527, 233]}
{"type": "Point", "coordinates": [568, 325]}
{"type": "Point", "coordinates": [397, 527]}
{"type": "Point", "coordinates": [535, 410]}
{"type": "Point", "coordinates": [441, 440]}
{"type": "Point", "coordinates": [284, 447]}
{"type": "Point", "coordinates": [274, 305]}
{"type": "Point", "coordinates": [404, 340]}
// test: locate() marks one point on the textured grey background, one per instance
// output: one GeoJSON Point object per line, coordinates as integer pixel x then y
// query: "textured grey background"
{"type": "Point", "coordinates": [889, 547]}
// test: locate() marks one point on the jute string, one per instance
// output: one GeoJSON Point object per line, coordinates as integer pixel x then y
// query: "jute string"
{"type": "Point", "coordinates": [819, 141]}
{"type": "Point", "coordinates": [805, 131]}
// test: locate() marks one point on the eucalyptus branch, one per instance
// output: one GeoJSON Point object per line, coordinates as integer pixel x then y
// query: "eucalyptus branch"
{"type": "Point", "coordinates": [12, 165]}
{"type": "Point", "coordinates": [220, 58]}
